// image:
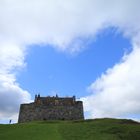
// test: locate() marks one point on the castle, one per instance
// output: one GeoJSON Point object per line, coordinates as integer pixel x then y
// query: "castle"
{"type": "Point", "coordinates": [51, 108]}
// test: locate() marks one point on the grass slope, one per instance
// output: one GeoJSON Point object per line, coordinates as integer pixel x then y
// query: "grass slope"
{"type": "Point", "coordinates": [98, 129]}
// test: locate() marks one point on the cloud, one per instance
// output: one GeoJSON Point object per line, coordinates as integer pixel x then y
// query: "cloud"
{"type": "Point", "coordinates": [63, 25]}
{"type": "Point", "coordinates": [11, 95]}
{"type": "Point", "coordinates": [59, 22]}
{"type": "Point", "coordinates": [117, 92]}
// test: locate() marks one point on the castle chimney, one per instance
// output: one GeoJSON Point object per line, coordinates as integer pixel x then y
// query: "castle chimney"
{"type": "Point", "coordinates": [35, 98]}
{"type": "Point", "coordinates": [74, 98]}
{"type": "Point", "coordinates": [38, 95]}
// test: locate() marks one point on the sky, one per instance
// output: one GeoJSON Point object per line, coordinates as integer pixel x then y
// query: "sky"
{"type": "Point", "coordinates": [89, 49]}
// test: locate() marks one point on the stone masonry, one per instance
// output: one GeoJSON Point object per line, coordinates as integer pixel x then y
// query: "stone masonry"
{"type": "Point", "coordinates": [51, 108]}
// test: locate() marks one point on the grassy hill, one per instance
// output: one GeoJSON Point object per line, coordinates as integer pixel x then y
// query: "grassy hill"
{"type": "Point", "coordinates": [98, 129]}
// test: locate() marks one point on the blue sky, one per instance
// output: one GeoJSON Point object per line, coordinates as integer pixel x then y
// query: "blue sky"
{"type": "Point", "coordinates": [90, 49]}
{"type": "Point", "coordinates": [50, 71]}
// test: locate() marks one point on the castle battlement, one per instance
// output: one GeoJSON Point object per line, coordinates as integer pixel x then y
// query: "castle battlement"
{"type": "Point", "coordinates": [55, 100]}
{"type": "Point", "coordinates": [51, 108]}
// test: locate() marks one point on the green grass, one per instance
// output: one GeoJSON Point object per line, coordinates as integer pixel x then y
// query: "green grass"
{"type": "Point", "coordinates": [98, 129]}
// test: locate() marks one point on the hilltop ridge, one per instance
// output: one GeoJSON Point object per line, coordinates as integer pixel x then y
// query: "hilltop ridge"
{"type": "Point", "coordinates": [97, 129]}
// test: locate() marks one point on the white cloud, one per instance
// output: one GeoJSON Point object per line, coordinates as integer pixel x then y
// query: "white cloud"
{"type": "Point", "coordinates": [61, 24]}
{"type": "Point", "coordinates": [117, 92]}
{"type": "Point", "coordinates": [11, 95]}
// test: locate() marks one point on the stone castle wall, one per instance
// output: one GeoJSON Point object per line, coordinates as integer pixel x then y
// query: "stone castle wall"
{"type": "Point", "coordinates": [57, 109]}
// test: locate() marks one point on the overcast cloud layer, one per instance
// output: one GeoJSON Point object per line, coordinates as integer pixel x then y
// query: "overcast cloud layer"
{"type": "Point", "coordinates": [62, 24]}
